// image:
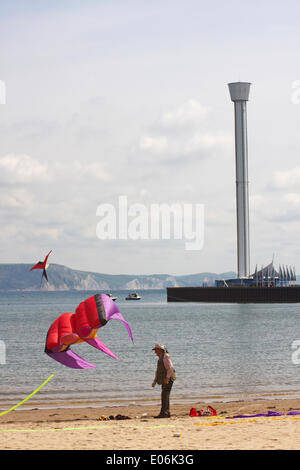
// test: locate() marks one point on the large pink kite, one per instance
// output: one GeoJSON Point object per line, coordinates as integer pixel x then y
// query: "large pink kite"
{"type": "Point", "coordinates": [82, 326]}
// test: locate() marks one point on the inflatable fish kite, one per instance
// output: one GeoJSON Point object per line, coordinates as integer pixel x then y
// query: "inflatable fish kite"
{"type": "Point", "coordinates": [42, 265]}
{"type": "Point", "coordinates": [82, 326]}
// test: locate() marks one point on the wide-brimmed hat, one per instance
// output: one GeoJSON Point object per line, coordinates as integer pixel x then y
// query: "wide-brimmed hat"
{"type": "Point", "coordinates": [159, 346]}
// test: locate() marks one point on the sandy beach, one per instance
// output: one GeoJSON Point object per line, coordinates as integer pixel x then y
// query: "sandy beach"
{"type": "Point", "coordinates": [89, 428]}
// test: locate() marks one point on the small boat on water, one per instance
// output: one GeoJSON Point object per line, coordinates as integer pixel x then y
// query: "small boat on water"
{"type": "Point", "coordinates": [111, 296]}
{"type": "Point", "coordinates": [133, 296]}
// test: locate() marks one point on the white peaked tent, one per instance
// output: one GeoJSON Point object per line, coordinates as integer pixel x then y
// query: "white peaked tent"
{"type": "Point", "coordinates": [269, 272]}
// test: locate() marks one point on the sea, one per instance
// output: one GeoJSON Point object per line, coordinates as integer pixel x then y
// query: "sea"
{"type": "Point", "coordinates": [221, 352]}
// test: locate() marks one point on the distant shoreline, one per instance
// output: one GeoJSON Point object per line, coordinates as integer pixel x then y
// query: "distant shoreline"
{"type": "Point", "coordinates": [18, 277]}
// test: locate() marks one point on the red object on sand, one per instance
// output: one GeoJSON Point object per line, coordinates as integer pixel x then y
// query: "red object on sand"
{"type": "Point", "coordinates": [210, 412]}
{"type": "Point", "coordinates": [193, 412]}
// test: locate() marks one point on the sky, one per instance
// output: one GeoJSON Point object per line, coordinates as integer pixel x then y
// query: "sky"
{"type": "Point", "coordinates": [110, 99]}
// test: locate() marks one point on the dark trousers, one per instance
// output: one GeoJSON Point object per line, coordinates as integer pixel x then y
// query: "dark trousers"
{"type": "Point", "coordinates": [165, 398]}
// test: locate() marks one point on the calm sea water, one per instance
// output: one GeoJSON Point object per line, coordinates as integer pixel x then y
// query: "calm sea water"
{"type": "Point", "coordinates": [220, 351]}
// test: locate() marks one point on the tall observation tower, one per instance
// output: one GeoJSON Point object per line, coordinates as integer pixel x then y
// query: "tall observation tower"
{"type": "Point", "coordinates": [239, 93]}
{"type": "Point", "coordinates": [265, 285]}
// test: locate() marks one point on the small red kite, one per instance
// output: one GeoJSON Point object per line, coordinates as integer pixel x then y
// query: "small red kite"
{"type": "Point", "coordinates": [42, 265]}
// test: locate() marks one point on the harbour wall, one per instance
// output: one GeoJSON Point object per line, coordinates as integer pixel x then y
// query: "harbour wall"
{"type": "Point", "coordinates": [239, 294]}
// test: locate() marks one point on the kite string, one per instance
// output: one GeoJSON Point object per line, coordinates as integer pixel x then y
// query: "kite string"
{"type": "Point", "coordinates": [27, 398]}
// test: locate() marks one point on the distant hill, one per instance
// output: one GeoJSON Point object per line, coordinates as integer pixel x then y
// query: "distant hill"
{"type": "Point", "coordinates": [19, 277]}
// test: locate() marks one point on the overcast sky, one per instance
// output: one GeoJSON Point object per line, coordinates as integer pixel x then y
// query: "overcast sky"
{"type": "Point", "coordinates": [130, 98]}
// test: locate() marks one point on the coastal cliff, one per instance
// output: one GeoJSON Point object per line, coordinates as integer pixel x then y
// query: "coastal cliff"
{"type": "Point", "coordinates": [19, 277]}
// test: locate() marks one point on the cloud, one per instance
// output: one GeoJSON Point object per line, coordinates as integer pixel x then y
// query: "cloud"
{"type": "Point", "coordinates": [288, 178]}
{"type": "Point", "coordinates": [8, 231]}
{"type": "Point", "coordinates": [190, 113]}
{"type": "Point", "coordinates": [50, 202]}
{"type": "Point", "coordinates": [95, 171]}
{"type": "Point", "coordinates": [22, 169]}
{"type": "Point", "coordinates": [276, 207]}
{"type": "Point", "coordinates": [154, 144]}
{"type": "Point", "coordinates": [182, 133]}
{"type": "Point", "coordinates": [47, 233]}
{"type": "Point", "coordinates": [293, 198]}
{"type": "Point", "coordinates": [15, 198]}
{"type": "Point", "coordinates": [76, 171]}
{"type": "Point", "coordinates": [207, 140]}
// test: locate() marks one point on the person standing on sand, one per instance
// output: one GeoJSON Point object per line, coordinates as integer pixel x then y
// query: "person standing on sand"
{"type": "Point", "coordinates": [164, 376]}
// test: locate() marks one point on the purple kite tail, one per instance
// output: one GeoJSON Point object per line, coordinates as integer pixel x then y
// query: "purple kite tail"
{"type": "Point", "coordinates": [270, 413]}
{"type": "Point", "coordinates": [96, 343]}
{"type": "Point", "coordinates": [70, 359]}
{"type": "Point", "coordinates": [118, 316]}
{"type": "Point", "coordinates": [112, 312]}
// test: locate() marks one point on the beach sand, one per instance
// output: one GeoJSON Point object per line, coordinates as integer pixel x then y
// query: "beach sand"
{"type": "Point", "coordinates": [83, 428]}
